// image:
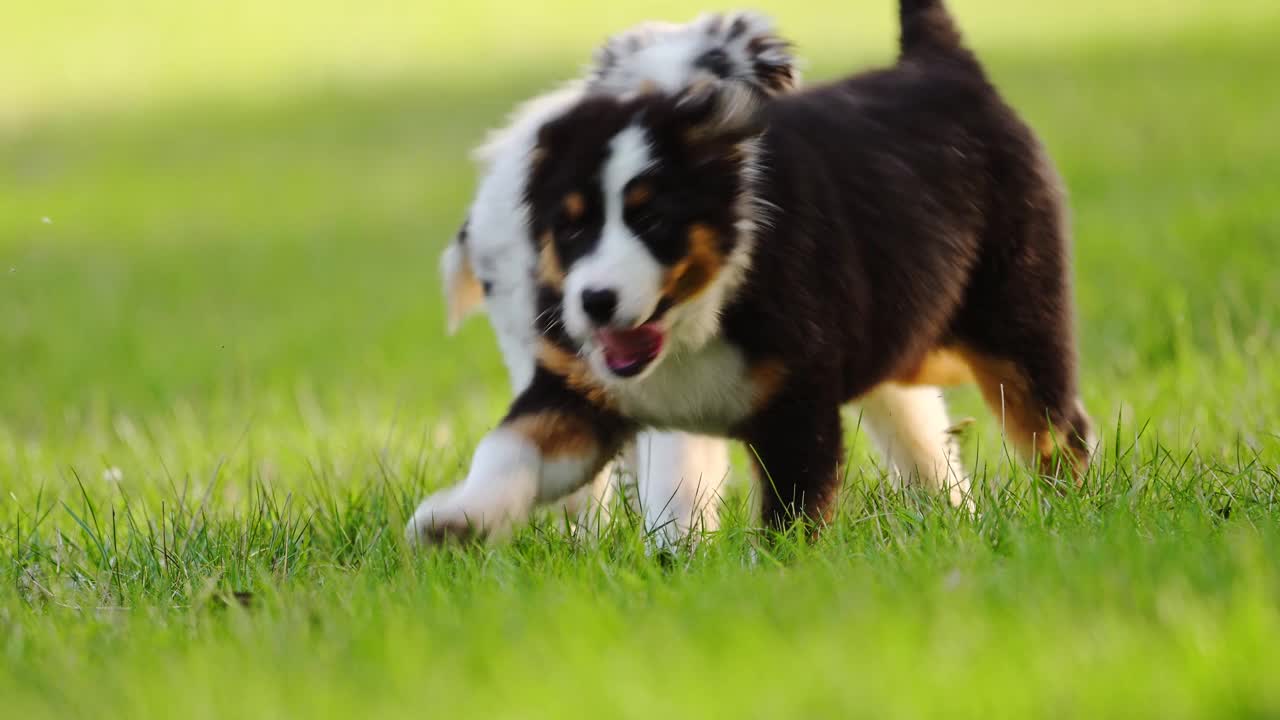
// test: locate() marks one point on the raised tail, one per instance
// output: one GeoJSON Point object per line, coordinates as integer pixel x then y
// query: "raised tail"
{"type": "Point", "coordinates": [929, 31]}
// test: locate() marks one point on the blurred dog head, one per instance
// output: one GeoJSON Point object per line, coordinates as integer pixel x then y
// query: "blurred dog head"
{"type": "Point", "coordinates": [491, 262]}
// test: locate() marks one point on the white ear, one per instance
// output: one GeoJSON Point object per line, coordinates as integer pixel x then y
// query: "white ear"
{"type": "Point", "coordinates": [463, 293]}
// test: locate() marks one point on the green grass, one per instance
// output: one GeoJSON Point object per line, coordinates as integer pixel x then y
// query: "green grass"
{"type": "Point", "coordinates": [223, 368]}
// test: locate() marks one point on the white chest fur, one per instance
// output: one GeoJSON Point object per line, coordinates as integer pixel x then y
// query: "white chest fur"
{"type": "Point", "coordinates": [706, 391]}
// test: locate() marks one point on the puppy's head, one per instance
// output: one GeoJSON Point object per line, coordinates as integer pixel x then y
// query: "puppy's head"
{"type": "Point", "coordinates": [642, 210]}
{"type": "Point", "coordinates": [740, 47]}
{"type": "Point", "coordinates": [493, 259]}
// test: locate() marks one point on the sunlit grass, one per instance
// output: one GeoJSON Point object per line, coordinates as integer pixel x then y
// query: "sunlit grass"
{"type": "Point", "coordinates": [223, 369]}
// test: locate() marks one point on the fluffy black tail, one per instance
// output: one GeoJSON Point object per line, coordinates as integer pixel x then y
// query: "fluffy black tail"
{"type": "Point", "coordinates": [928, 31]}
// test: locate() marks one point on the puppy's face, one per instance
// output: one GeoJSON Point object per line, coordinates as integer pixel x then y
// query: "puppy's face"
{"type": "Point", "coordinates": [640, 210]}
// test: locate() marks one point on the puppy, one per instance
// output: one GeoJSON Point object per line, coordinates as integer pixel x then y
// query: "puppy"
{"type": "Point", "coordinates": [491, 262]}
{"type": "Point", "coordinates": [725, 263]}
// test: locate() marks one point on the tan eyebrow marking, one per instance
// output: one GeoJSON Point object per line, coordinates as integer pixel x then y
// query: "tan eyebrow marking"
{"type": "Point", "coordinates": [639, 194]}
{"type": "Point", "coordinates": [575, 205]}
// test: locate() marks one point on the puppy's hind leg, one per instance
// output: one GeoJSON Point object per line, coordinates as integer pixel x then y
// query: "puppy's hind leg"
{"type": "Point", "coordinates": [1038, 408]}
{"type": "Point", "coordinates": [1017, 329]}
{"type": "Point", "coordinates": [910, 427]}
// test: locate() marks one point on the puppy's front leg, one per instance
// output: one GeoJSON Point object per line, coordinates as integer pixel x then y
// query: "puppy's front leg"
{"type": "Point", "coordinates": [797, 445]}
{"type": "Point", "coordinates": [553, 441]}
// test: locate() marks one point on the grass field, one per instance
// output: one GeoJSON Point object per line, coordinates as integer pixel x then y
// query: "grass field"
{"type": "Point", "coordinates": [223, 370]}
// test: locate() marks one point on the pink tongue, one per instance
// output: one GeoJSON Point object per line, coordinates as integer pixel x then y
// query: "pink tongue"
{"type": "Point", "coordinates": [625, 348]}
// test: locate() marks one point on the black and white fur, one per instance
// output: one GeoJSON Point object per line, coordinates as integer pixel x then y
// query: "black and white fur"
{"type": "Point", "coordinates": [727, 263]}
{"type": "Point", "coordinates": [490, 265]}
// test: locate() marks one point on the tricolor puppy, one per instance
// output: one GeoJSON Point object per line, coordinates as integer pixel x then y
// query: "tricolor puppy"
{"type": "Point", "coordinates": [726, 263]}
{"type": "Point", "coordinates": [492, 262]}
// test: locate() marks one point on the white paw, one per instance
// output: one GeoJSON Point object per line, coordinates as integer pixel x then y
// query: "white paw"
{"type": "Point", "coordinates": [447, 515]}
{"type": "Point", "coordinates": [500, 490]}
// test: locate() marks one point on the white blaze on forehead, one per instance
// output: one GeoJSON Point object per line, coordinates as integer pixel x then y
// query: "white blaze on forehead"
{"type": "Point", "coordinates": [629, 155]}
{"type": "Point", "coordinates": [619, 261]}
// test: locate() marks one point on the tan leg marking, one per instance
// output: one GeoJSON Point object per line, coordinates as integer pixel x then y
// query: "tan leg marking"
{"type": "Point", "coordinates": [941, 367]}
{"type": "Point", "coordinates": [1008, 392]}
{"type": "Point", "coordinates": [766, 378]}
{"type": "Point", "coordinates": [556, 434]}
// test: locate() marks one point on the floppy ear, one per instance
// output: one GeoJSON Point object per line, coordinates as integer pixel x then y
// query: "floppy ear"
{"type": "Point", "coordinates": [723, 112]}
{"type": "Point", "coordinates": [463, 293]}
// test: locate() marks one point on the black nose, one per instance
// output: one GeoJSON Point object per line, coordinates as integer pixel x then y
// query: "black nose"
{"type": "Point", "coordinates": [600, 305]}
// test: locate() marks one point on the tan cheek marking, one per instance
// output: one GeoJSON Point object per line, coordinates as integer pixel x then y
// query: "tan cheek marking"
{"type": "Point", "coordinates": [944, 367]}
{"type": "Point", "coordinates": [766, 378]}
{"type": "Point", "coordinates": [549, 270]}
{"type": "Point", "coordinates": [574, 370]}
{"type": "Point", "coordinates": [556, 434]}
{"type": "Point", "coordinates": [697, 268]}
{"type": "Point", "coordinates": [574, 205]}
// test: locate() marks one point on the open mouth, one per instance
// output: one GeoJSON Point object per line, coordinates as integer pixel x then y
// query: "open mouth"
{"type": "Point", "coordinates": [629, 352]}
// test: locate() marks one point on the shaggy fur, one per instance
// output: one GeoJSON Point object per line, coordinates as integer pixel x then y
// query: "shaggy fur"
{"type": "Point", "coordinates": [725, 263]}
{"type": "Point", "coordinates": [490, 263]}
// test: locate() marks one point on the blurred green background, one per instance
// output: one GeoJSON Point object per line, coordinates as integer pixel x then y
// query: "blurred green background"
{"type": "Point", "coordinates": [220, 319]}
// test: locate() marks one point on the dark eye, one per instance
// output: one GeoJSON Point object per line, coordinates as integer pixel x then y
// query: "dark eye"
{"type": "Point", "coordinates": [646, 219]}
{"type": "Point", "coordinates": [487, 286]}
{"type": "Point", "coordinates": [570, 232]}
{"type": "Point", "coordinates": [646, 209]}
{"type": "Point", "coordinates": [567, 223]}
